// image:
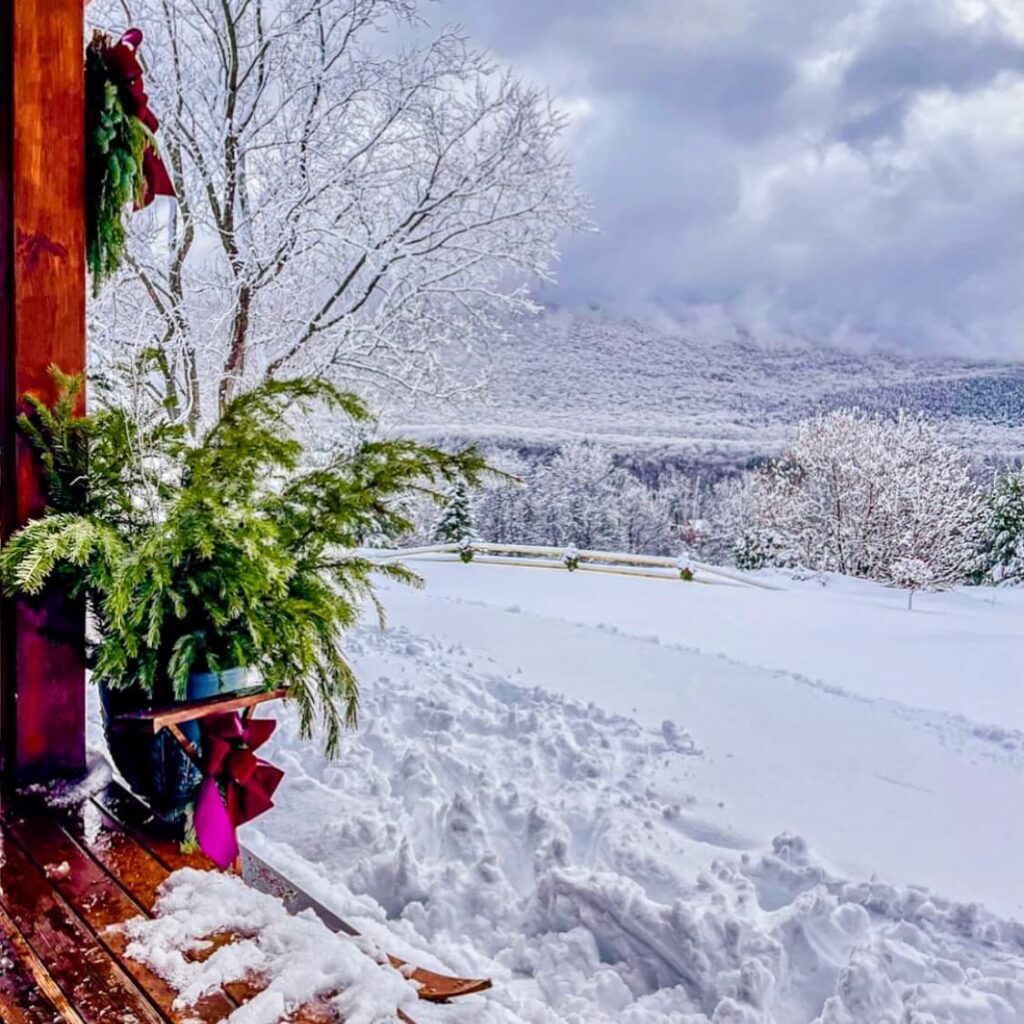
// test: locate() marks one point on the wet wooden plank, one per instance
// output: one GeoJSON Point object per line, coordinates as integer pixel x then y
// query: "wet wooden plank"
{"type": "Point", "coordinates": [130, 814]}
{"type": "Point", "coordinates": [27, 993]}
{"type": "Point", "coordinates": [100, 901]}
{"type": "Point", "coordinates": [137, 871]}
{"type": "Point", "coordinates": [140, 824]}
{"type": "Point", "coordinates": [114, 807]}
{"type": "Point", "coordinates": [140, 873]}
{"type": "Point", "coordinates": [98, 989]}
{"type": "Point", "coordinates": [111, 875]}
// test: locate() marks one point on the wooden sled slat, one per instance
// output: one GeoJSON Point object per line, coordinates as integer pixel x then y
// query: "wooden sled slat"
{"type": "Point", "coordinates": [111, 878]}
{"type": "Point", "coordinates": [116, 811]}
{"type": "Point", "coordinates": [126, 809]}
{"type": "Point", "coordinates": [189, 711]}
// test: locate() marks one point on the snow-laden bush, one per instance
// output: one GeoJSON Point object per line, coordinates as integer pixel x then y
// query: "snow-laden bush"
{"type": "Point", "coordinates": [1000, 545]}
{"type": "Point", "coordinates": [913, 574]}
{"type": "Point", "coordinates": [858, 494]}
{"type": "Point", "coordinates": [854, 493]}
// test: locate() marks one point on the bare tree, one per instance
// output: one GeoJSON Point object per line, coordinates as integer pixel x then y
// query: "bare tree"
{"type": "Point", "coordinates": [344, 203]}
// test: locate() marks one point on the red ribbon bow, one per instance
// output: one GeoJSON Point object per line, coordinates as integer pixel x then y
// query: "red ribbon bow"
{"type": "Point", "coordinates": [247, 781]}
{"type": "Point", "coordinates": [122, 63]}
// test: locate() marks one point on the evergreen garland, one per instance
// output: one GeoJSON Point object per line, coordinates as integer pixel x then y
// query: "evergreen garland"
{"type": "Point", "coordinates": [116, 142]}
{"type": "Point", "coordinates": [685, 572]}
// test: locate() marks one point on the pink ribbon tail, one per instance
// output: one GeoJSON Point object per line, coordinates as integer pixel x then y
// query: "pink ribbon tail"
{"type": "Point", "coordinates": [214, 828]}
{"type": "Point", "coordinates": [248, 782]}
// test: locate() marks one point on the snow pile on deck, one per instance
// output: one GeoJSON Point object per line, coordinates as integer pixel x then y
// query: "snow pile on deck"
{"type": "Point", "coordinates": [299, 957]}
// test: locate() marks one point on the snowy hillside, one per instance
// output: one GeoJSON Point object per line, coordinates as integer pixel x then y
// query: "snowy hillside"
{"type": "Point", "coordinates": [708, 397]}
{"type": "Point", "coordinates": [648, 801]}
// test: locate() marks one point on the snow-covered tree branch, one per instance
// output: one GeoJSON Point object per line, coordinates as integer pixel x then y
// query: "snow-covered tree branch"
{"type": "Point", "coordinates": [345, 204]}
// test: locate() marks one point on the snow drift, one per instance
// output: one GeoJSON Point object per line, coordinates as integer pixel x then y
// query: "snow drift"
{"type": "Point", "coordinates": [598, 858]}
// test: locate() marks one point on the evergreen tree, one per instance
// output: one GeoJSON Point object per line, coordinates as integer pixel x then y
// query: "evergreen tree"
{"type": "Point", "coordinates": [456, 522]}
{"type": "Point", "coordinates": [1000, 550]}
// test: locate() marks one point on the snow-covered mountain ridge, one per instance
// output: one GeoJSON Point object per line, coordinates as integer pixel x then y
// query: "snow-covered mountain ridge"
{"type": "Point", "coordinates": [708, 396]}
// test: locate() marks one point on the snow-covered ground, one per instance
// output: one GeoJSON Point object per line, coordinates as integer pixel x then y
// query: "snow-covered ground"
{"type": "Point", "coordinates": [644, 800]}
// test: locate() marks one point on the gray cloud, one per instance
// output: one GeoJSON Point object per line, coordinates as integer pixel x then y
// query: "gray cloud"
{"type": "Point", "coordinates": [846, 168]}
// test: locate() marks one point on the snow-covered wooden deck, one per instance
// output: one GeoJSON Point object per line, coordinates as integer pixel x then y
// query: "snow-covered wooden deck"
{"type": "Point", "coordinates": [69, 872]}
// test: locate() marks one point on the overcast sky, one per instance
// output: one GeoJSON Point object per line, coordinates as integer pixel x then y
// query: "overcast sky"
{"type": "Point", "coordinates": [850, 168]}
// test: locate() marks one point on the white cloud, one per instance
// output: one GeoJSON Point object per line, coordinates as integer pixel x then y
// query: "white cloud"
{"type": "Point", "coordinates": [846, 166]}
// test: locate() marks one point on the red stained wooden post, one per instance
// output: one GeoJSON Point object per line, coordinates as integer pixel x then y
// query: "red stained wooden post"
{"type": "Point", "coordinates": [42, 321]}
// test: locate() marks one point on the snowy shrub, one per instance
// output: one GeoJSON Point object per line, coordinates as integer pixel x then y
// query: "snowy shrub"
{"type": "Point", "coordinates": [912, 574]}
{"type": "Point", "coordinates": [999, 556]}
{"type": "Point", "coordinates": [762, 549]}
{"type": "Point", "coordinates": [746, 515]}
{"type": "Point", "coordinates": [579, 498]}
{"type": "Point", "coordinates": [857, 494]}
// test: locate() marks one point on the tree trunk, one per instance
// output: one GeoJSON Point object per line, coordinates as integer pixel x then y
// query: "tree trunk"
{"type": "Point", "coordinates": [235, 365]}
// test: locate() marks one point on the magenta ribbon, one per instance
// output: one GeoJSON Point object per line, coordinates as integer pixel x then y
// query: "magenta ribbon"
{"type": "Point", "coordinates": [237, 785]}
{"type": "Point", "coordinates": [123, 64]}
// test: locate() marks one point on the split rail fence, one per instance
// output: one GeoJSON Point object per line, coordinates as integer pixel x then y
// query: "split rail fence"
{"type": "Point", "coordinates": [535, 556]}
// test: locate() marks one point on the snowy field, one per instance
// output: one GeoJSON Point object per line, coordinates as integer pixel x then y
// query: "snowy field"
{"type": "Point", "coordinates": [640, 800]}
{"type": "Point", "coordinates": [649, 801]}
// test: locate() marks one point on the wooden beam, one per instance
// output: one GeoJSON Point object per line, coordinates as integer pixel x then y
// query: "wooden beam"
{"type": "Point", "coordinates": [42, 322]}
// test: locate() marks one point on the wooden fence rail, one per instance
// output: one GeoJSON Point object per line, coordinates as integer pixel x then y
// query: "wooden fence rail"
{"type": "Point", "coordinates": [537, 556]}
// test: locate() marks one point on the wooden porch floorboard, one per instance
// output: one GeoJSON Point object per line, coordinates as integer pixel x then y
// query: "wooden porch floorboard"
{"type": "Point", "coordinates": [66, 874]}
{"type": "Point", "coordinates": [69, 869]}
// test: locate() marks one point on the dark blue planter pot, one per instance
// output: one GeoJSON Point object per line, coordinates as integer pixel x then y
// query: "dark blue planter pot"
{"type": "Point", "coordinates": [155, 767]}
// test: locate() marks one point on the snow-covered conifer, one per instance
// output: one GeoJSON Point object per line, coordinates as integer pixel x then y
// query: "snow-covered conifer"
{"type": "Point", "coordinates": [1000, 545]}
{"type": "Point", "coordinates": [455, 523]}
